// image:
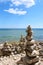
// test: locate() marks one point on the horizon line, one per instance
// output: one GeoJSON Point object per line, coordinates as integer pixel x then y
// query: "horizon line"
{"type": "Point", "coordinates": [19, 28]}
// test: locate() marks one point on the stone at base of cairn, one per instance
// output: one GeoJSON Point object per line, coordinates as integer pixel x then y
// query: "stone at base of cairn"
{"type": "Point", "coordinates": [28, 61]}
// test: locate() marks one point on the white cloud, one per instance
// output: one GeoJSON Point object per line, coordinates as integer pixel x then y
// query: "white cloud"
{"type": "Point", "coordinates": [16, 11]}
{"type": "Point", "coordinates": [26, 3]}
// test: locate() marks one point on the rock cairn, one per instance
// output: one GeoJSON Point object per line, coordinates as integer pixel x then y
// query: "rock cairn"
{"type": "Point", "coordinates": [30, 58]}
{"type": "Point", "coordinates": [22, 39]}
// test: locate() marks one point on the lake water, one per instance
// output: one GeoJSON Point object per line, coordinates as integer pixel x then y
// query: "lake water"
{"type": "Point", "coordinates": [14, 34]}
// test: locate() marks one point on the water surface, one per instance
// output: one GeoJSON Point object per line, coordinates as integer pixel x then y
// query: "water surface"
{"type": "Point", "coordinates": [14, 34]}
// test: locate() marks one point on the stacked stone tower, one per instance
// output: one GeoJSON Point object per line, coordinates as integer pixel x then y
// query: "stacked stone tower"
{"type": "Point", "coordinates": [30, 59]}
{"type": "Point", "coordinates": [29, 33]}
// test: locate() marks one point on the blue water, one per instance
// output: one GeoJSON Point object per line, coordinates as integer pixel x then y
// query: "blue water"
{"type": "Point", "coordinates": [14, 34]}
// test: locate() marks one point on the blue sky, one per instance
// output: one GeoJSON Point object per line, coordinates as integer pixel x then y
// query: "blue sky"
{"type": "Point", "coordinates": [21, 13]}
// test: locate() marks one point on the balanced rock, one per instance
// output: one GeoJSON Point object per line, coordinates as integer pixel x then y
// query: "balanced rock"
{"type": "Point", "coordinates": [29, 33]}
{"type": "Point", "coordinates": [31, 59]}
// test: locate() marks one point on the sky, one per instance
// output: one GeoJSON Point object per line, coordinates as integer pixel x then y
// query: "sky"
{"type": "Point", "coordinates": [21, 13]}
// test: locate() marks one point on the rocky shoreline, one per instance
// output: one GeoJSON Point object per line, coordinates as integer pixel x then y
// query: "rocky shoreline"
{"type": "Point", "coordinates": [25, 52]}
{"type": "Point", "coordinates": [10, 54]}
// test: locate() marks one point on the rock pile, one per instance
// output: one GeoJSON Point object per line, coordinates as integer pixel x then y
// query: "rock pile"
{"type": "Point", "coordinates": [30, 58]}
{"type": "Point", "coordinates": [16, 48]}
{"type": "Point", "coordinates": [9, 48]}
